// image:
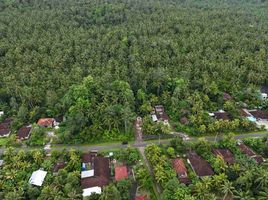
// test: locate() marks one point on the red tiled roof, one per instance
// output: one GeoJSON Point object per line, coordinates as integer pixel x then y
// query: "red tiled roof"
{"type": "Point", "coordinates": [178, 166]}
{"type": "Point", "coordinates": [24, 132]}
{"type": "Point", "coordinates": [141, 197]}
{"type": "Point", "coordinates": [226, 155]}
{"type": "Point", "coordinates": [46, 122]}
{"type": "Point", "coordinates": [200, 166]}
{"type": "Point", "coordinates": [121, 173]}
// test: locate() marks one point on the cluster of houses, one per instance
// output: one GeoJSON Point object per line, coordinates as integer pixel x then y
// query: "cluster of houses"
{"type": "Point", "coordinates": [24, 132]}
{"type": "Point", "coordinates": [202, 168]}
{"type": "Point", "coordinates": [159, 115]}
{"type": "Point", "coordinates": [96, 172]}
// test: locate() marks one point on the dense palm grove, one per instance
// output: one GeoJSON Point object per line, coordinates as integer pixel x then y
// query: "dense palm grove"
{"type": "Point", "coordinates": [128, 56]}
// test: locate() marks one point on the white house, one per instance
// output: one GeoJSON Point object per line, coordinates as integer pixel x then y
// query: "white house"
{"type": "Point", "coordinates": [89, 191]}
{"type": "Point", "coordinates": [38, 177]}
{"type": "Point", "coordinates": [1, 113]}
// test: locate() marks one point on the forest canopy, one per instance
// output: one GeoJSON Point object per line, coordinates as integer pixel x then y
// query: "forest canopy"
{"type": "Point", "coordinates": [172, 52]}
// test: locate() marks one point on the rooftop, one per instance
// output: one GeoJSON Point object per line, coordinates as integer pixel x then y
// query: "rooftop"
{"type": "Point", "coordinates": [46, 122]}
{"type": "Point", "coordinates": [141, 197]}
{"type": "Point", "coordinates": [38, 177]}
{"type": "Point", "coordinates": [88, 191]}
{"type": "Point", "coordinates": [24, 132]}
{"type": "Point", "coordinates": [200, 166]}
{"type": "Point", "coordinates": [121, 173]}
{"type": "Point", "coordinates": [259, 114]}
{"type": "Point", "coordinates": [58, 166]}
{"type": "Point", "coordinates": [226, 155]}
{"type": "Point", "coordinates": [221, 115]}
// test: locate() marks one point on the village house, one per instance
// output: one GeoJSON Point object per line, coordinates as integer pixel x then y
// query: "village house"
{"type": "Point", "coordinates": [5, 128]}
{"type": "Point", "coordinates": [225, 154]}
{"type": "Point", "coordinates": [221, 114]}
{"type": "Point", "coordinates": [249, 152]}
{"type": "Point", "coordinates": [95, 173]}
{"type": "Point", "coordinates": [46, 122]}
{"type": "Point", "coordinates": [200, 166]}
{"type": "Point", "coordinates": [159, 115]}
{"type": "Point", "coordinates": [181, 171]}
{"type": "Point", "coordinates": [141, 197]}
{"type": "Point", "coordinates": [120, 173]}
{"type": "Point", "coordinates": [24, 132]}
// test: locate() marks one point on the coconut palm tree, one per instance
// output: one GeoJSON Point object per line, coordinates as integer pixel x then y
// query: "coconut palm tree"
{"type": "Point", "coordinates": [241, 195]}
{"type": "Point", "coordinates": [227, 189]}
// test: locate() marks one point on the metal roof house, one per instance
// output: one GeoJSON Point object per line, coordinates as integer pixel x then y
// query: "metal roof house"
{"type": "Point", "coordinates": [38, 177]}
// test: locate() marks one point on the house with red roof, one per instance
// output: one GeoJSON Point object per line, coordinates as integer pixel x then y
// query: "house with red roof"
{"type": "Point", "coordinates": [120, 173]}
{"type": "Point", "coordinates": [46, 122]}
{"type": "Point", "coordinates": [181, 171]}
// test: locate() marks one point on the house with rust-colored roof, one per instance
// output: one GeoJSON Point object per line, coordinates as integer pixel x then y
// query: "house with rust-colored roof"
{"type": "Point", "coordinates": [24, 132]}
{"type": "Point", "coordinates": [120, 173]}
{"type": "Point", "coordinates": [200, 166]}
{"type": "Point", "coordinates": [249, 152]}
{"type": "Point", "coordinates": [225, 154]}
{"type": "Point", "coordinates": [46, 122]}
{"type": "Point", "coordinates": [181, 171]}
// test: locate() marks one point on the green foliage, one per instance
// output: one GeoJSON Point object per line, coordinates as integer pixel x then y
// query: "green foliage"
{"type": "Point", "coordinates": [38, 137]}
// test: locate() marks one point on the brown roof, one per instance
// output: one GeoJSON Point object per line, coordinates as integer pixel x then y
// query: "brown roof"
{"type": "Point", "coordinates": [46, 122]}
{"type": "Point", "coordinates": [200, 166]}
{"type": "Point", "coordinates": [226, 155]}
{"type": "Point", "coordinates": [221, 115]}
{"type": "Point", "coordinates": [258, 158]}
{"type": "Point", "coordinates": [259, 114]}
{"type": "Point", "coordinates": [101, 173]}
{"type": "Point", "coordinates": [94, 181]}
{"type": "Point", "coordinates": [24, 132]}
{"type": "Point", "coordinates": [58, 166]}
{"type": "Point", "coordinates": [160, 113]}
{"type": "Point", "coordinates": [227, 96]}
{"type": "Point", "coordinates": [246, 150]}
{"type": "Point", "coordinates": [4, 132]}
{"type": "Point", "coordinates": [86, 158]}
{"type": "Point", "coordinates": [244, 113]}
{"type": "Point", "coordinates": [120, 173]}
{"type": "Point", "coordinates": [184, 120]}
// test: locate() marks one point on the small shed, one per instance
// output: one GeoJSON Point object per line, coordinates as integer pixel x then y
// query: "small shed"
{"type": "Point", "coordinates": [38, 177]}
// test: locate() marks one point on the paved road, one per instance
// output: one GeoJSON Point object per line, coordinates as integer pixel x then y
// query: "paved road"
{"type": "Point", "coordinates": [137, 144]}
